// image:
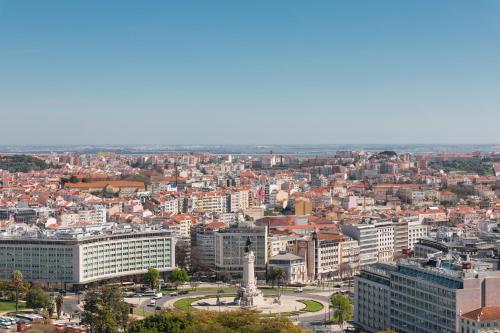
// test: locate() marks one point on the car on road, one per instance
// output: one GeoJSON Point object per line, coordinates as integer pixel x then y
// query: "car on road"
{"type": "Point", "coordinates": [173, 294]}
{"type": "Point", "coordinates": [183, 292]}
{"type": "Point", "coordinates": [299, 290]}
{"type": "Point", "coordinates": [152, 303]}
{"type": "Point", "coordinates": [158, 296]}
{"type": "Point", "coordinates": [158, 308]}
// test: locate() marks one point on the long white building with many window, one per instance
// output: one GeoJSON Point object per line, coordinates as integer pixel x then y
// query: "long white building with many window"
{"type": "Point", "coordinates": [85, 258]}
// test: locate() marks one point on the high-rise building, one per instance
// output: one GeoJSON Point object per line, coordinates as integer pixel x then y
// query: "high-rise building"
{"type": "Point", "coordinates": [230, 247]}
{"type": "Point", "coordinates": [421, 296]}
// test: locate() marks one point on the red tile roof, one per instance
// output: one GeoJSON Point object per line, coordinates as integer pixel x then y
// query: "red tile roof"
{"type": "Point", "coordinates": [488, 313]}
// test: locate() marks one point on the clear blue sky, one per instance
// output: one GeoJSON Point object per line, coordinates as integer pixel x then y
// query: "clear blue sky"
{"type": "Point", "coordinates": [282, 71]}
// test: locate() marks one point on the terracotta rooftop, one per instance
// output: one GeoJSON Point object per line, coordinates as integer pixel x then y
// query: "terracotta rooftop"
{"type": "Point", "coordinates": [114, 183]}
{"type": "Point", "coordinates": [488, 313]}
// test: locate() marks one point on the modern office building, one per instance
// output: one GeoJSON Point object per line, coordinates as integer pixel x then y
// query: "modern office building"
{"type": "Point", "coordinates": [372, 304]}
{"type": "Point", "coordinates": [84, 258]}
{"type": "Point", "coordinates": [230, 247]}
{"type": "Point", "coordinates": [425, 296]}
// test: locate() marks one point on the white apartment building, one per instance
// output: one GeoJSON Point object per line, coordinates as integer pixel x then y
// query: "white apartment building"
{"type": "Point", "coordinates": [416, 231]}
{"type": "Point", "coordinates": [210, 201]}
{"type": "Point", "coordinates": [323, 254]}
{"type": "Point", "coordinates": [169, 205]}
{"type": "Point", "coordinates": [278, 244]}
{"type": "Point", "coordinates": [349, 257]}
{"type": "Point", "coordinates": [94, 216]}
{"type": "Point", "coordinates": [239, 200]}
{"type": "Point", "coordinates": [367, 236]}
{"type": "Point", "coordinates": [385, 240]}
{"type": "Point", "coordinates": [376, 240]}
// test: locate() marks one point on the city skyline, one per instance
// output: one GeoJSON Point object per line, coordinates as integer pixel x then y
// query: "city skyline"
{"type": "Point", "coordinates": [121, 72]}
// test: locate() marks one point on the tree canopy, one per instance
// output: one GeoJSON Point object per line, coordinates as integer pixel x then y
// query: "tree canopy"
{"type": "Point", "coordinates": [342, 308]}
{"type": "Point", "coordinates": [104, 310]}
{"type": "Point", "coordinates": [213, 322]}
{"type": "Point", "coordinates": [36, 298]}
{"type": "Point", "coordinates": [178, 276]}
{"type": "Point", "coordinates": [152, 278]}
{"type": "Point", "coordinates": [276, 274]}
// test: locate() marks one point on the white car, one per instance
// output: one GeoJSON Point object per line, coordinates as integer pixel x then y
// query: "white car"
{"type": "Point", "coordinates": [158, 296]}
{"type": "Point", "coordinates": [152, 302]}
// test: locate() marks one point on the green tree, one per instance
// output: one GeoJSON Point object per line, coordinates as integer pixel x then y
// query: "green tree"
{"type": "Point", "coordinates": [50, 307]}
{"type": "Point", "coordinates": [213, 322]}
{"type": "Point", "coordinates": [104, 310]}
{"type": "Point", "coordinates": [342, 307]}
{"type": "Point", "coordinates": [152, 278]}
{"type": "Point", "coordinates": [276, 275]}
{"type": "Point", "coordinates": [17, 281]}
{"type": "Point", "coordinates": [59, 304]}
{"type": "Point", "coordinates": [36, 298]}
{"type": "Point", "coordinates": [178, 276]}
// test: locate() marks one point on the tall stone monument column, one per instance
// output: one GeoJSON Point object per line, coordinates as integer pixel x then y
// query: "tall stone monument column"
{"type": "Point", "coordinates": [249, 269]}
{"type": "Point", "coordinates": [248, 295]}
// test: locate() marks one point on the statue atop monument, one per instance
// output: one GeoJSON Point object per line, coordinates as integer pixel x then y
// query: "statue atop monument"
{"type": "Point", "coordinates": [248, 245]}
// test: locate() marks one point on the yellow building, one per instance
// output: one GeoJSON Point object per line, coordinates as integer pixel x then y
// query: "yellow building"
{"type": "Point", "coordinates": [303, 206]}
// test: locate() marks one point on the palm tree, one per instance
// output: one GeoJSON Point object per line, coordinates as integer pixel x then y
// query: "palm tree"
{"type": "Point", "coordinates": [59, 304]}
{"type": "Point", "coordinates": [17, 280]}
{"type": "Point", "coordinates": [279, 275]}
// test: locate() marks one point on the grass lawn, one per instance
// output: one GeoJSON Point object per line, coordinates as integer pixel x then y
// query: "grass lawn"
{"type": "Point", "coordinates": [311, 306]}
{"type": "Point", "coordinates": [185, 303]}
{"type": "Point", "coordinates": [9, 306]}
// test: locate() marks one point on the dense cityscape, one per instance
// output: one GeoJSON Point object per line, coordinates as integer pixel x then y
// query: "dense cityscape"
{"type": "Point", "coordinates": [257, 166]}
{"type": "Point", "coordinates": [355, 241]}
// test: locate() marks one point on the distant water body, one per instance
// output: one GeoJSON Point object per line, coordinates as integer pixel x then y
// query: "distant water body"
{"type": "Point", "coordinates": [299, 150]}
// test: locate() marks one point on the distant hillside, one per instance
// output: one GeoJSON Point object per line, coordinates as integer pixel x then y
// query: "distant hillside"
{"type": "Point", "coordinates": [22, 163]}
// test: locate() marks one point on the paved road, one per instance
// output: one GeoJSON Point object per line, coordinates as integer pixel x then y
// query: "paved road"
{"type": "Point", "coordinates": [306, 320]}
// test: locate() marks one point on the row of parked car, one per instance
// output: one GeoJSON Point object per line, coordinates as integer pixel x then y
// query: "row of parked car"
{"type": "Point", "coordinates": [7, 322]}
